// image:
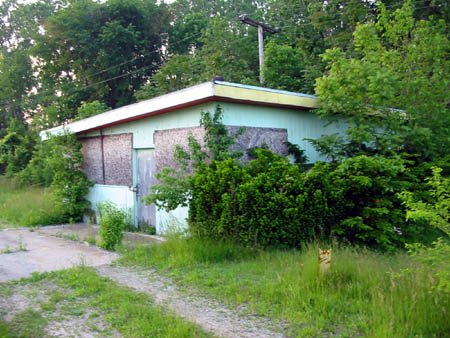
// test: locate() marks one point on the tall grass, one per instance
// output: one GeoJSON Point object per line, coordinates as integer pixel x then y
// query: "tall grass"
{"type": "Point", "coordinates": [27, 205]}
{"type": "Point", "coordinates": [364, 294]}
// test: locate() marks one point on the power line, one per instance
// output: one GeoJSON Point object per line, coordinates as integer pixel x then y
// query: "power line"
{"type": "Point", "coordinates": [139, 56]}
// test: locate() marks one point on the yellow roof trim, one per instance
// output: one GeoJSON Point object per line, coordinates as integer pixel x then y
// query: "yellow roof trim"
{"type": "Point", "coordinates": [267, 97]}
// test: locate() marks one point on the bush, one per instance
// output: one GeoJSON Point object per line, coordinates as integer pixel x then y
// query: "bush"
{"type": "Point", "coordinates": [436, 213]}
{"type": "Point", "coordinates": [372, 214]}
{"type": "Point", "coordinates": [16, 148]}
{"type": "Point", "coordinates": [271, 202]}
{"type": "Point", "coordinates": [112, 223]}
{"type": "Point", "coordinates": [70, 183]}
{"type": "Point", "coordinates": [38, 171]}
{"type": "Point", "coordinates": [267, 202]}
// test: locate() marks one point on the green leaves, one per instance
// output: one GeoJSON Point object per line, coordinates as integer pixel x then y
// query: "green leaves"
{"type": "Point", "coordinates": [393, 89]}
{"type": "Point", "coordinates": [100, 51]}
{"type": "Point", "coordinates": [436, 212]}
{"type": "Point", "coordinates": [70, 183]}
{"type": "Point", "coordinates": [112, 222]}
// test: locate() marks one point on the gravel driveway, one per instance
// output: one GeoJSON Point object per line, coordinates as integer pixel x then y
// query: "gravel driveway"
{"type": "Point", "coordinates": [23, 251]}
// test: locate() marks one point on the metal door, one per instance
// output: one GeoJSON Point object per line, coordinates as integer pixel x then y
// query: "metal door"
{"type": "Point", "coordinates": [146, 214]}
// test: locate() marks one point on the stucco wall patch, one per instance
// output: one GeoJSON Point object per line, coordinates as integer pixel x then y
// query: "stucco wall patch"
{"type": "Point", "coordinates": [255, 137]}
{"type": "Point", "coordinates": [166, 140]}
{"type": "Point", "coordinates": [117, 159]}
{"type": "Point", "coordinates": [92, 158]}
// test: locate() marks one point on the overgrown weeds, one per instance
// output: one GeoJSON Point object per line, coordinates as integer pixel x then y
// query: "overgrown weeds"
{"type": "Point", "coordinates": [20, 247]}
{"type": "Point", "coordinates": [27, 205]}
{"type": "Point", "coordinates": [112, 223]}
{"type": "Point", "coordinates": [364, 294]}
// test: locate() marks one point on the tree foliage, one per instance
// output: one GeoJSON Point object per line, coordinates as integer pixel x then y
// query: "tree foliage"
{"type": "Point", "coordinates": [394, 92]}
{"type": "Point", "coordinates": [70, 183]}
{"type": "Point", "coordinates": [100, 51]}
{"type": "Point", "coordinates": [16, 148]}
{"type": "Point", "coordinates": [436, 212]}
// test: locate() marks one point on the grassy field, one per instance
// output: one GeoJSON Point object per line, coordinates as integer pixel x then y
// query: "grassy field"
{"type": "Point", "coordinates": [82, 303]}
{"type": "Point", "coordinates": [26, 205]}
{"type": "Point", "coordinates": [366, 293]}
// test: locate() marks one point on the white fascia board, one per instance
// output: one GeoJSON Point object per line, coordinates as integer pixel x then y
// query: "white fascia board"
{"type": "Point", "coordinates": [179, 97]}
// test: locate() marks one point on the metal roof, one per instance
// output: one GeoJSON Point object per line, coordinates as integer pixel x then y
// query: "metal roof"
{"type": "Point", "coordinates": [220, 91]}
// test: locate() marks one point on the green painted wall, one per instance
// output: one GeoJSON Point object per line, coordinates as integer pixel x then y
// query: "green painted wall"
{"type": "Point", "coordinates": [300, 124]}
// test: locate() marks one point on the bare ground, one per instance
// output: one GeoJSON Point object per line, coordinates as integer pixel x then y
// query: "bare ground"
{"type": "Point", "coordinates": [23, 252]}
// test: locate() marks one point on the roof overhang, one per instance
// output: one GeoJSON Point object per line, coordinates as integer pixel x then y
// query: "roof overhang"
{"type": "Point", "coordinates": [218, 91]}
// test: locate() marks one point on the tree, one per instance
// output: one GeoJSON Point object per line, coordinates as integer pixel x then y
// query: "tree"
{"type": "Point", "coordinates": [15, 83]}
{"type": "Point", "coordinates": [16, 148]}
{"type": "Point", "coordinates": [100, 51]}
{"type": "Point", "coordinates": [179, 72]}
{"type": "Point", "coordinates": [88, 109]}
{"type": "Point", "coordinates": [393, 92]}
{"type": "Point", "coordinates": [18, 28]}
{"type": "Point", "coordinates": [184, 34]}
{"type": "Point", "coordinates": [229, 9]}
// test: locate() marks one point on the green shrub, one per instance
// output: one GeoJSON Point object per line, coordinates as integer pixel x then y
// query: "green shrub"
{"type": "Point", "coordinates": [436, 212]}
{"type": "Point", "coordinates": [372, 214]}
{"type": "Point", "coordinates": [57, 162]}
{"type": "Point", "coordinates": [267, 202]}
{"type": "Point", "coordinates": [38, 171]}
{"type": "Point", "coordinates": [16, 148]}
{"type": "Point", "coordinates": [70, 183]}
{"type": "Point", "coordinates": [112, 223]}
{"type": "Point", "coordinates": [270, 202]}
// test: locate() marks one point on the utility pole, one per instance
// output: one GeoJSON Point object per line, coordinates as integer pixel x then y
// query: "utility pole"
{"type": "Point", "coordinates": [261, 29]}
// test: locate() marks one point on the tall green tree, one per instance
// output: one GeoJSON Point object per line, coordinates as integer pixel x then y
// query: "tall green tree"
{"type": "Point", "coordinates": [393, 92]}
{"type": "Point", "coordinates": [230, 9]}
{"type": "Point", "coordinates": [18, 28]}
{"type": "Point", "coordinates": [99, 51]}
{"type": "Point", "coordinates": [16, 81]}
{"type": "Point", "coordinates": [16, 148]}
